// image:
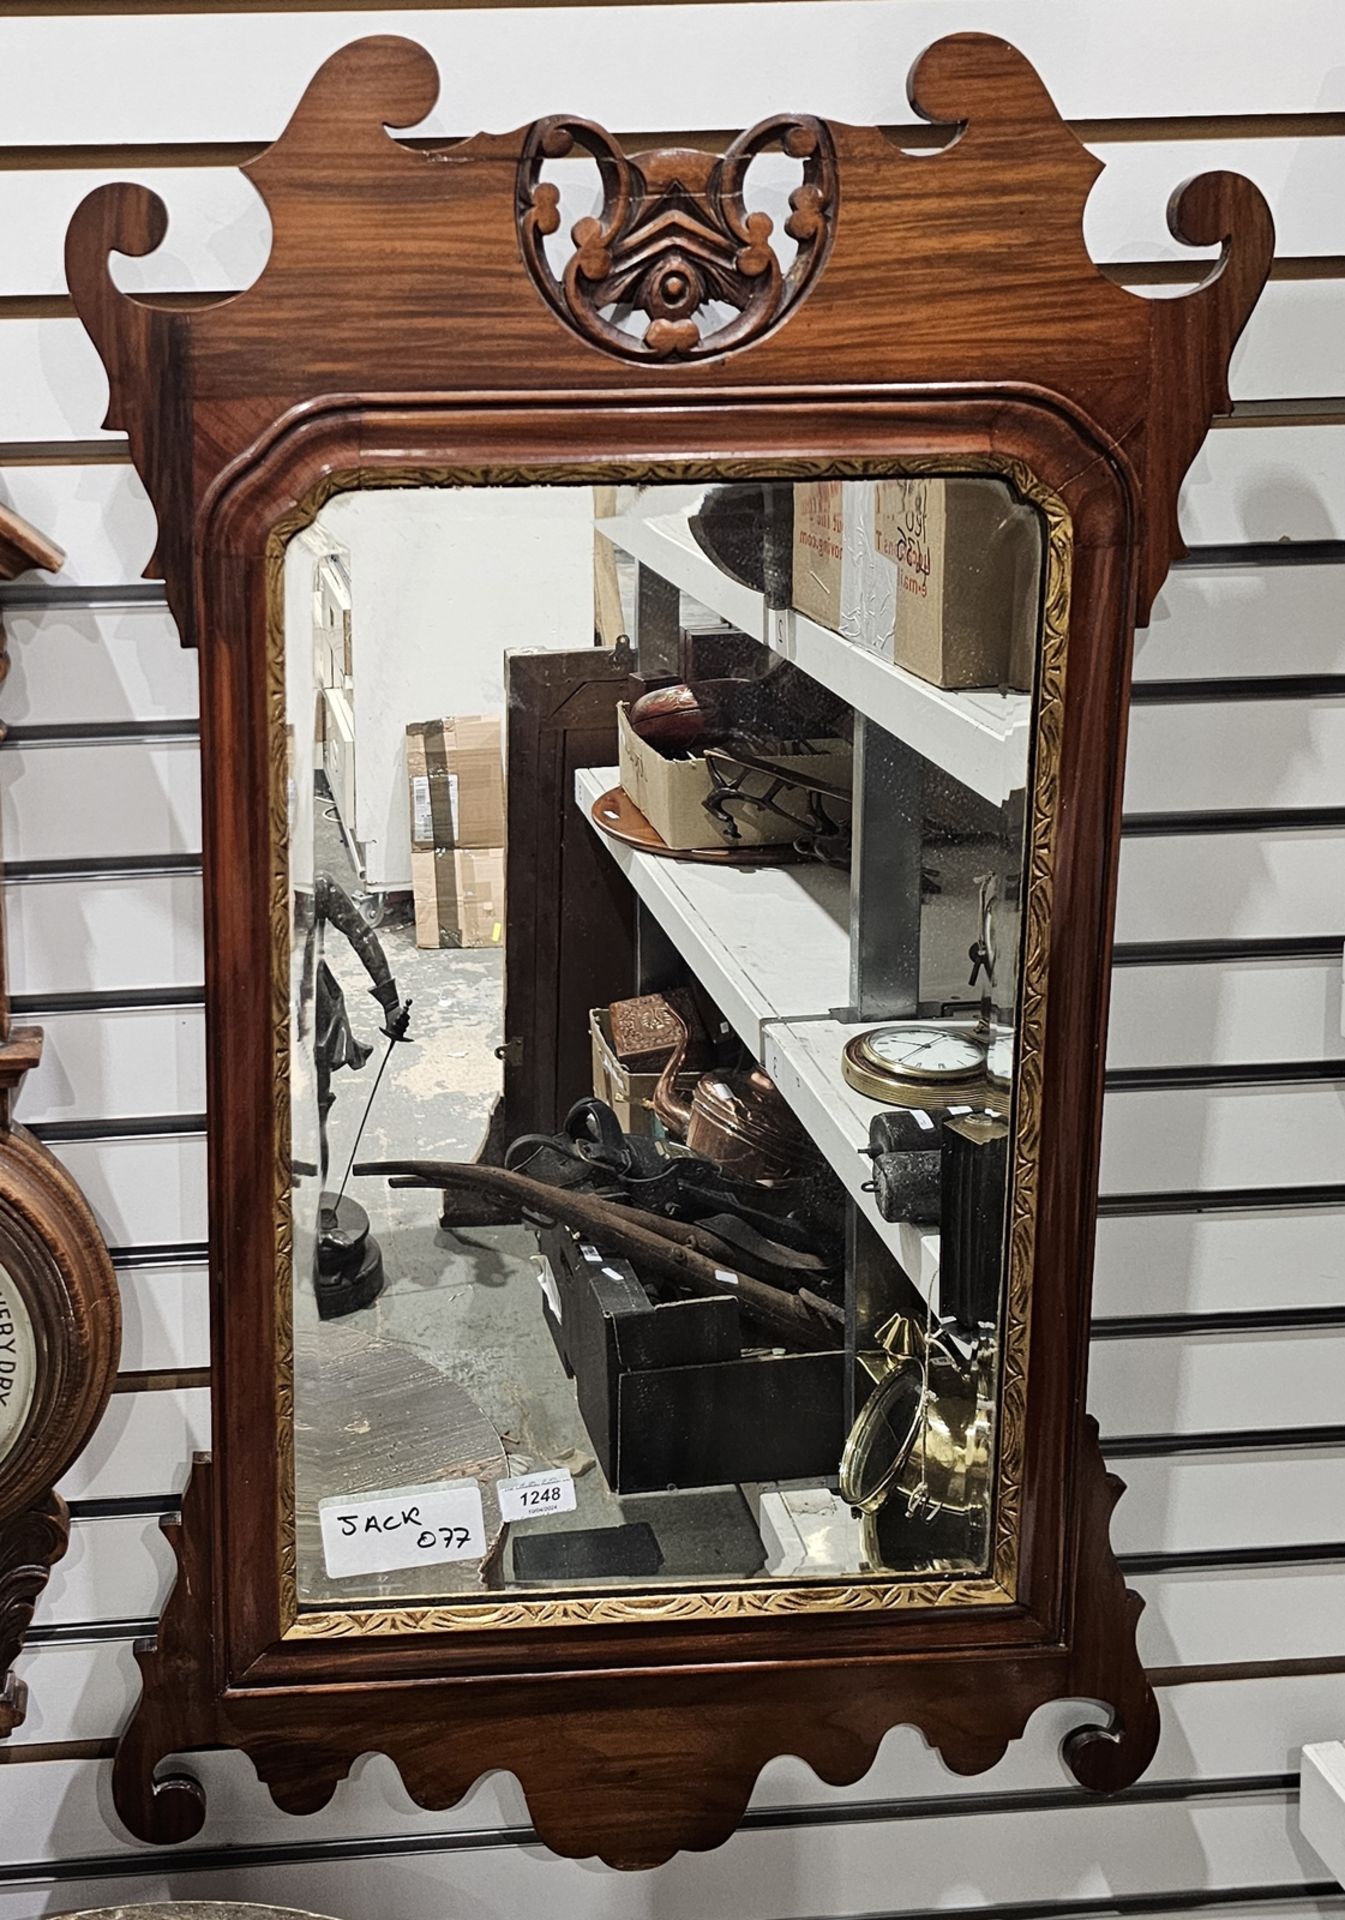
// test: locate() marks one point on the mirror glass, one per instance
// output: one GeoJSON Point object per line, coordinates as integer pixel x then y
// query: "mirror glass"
{"type": "Point", "coordinates": [727, 1304]}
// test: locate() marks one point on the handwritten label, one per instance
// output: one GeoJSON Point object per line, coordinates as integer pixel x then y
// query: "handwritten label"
{"type": "Point", "coordinates": [550, 1491]}
{"type": "Point", "coordinates": [407, 1527]}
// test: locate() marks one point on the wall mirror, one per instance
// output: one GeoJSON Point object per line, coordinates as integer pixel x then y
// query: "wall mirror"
{"type": "Point", "coordinates": [733, 1307]}
{"type": "Point", "coordinates": [664, 636]}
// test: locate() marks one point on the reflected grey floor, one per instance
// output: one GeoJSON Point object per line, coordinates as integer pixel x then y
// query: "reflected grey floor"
{"type": "Point", "coordinates": [456, 1351]}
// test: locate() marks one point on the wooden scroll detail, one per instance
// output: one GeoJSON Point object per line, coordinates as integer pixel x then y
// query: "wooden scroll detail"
{"type": "Point", "coordinates": [675, 235]}
{"type": "Point", "coordinates": [175, 1711]}
{"type": "Point", "coordinates": [30, 1545]}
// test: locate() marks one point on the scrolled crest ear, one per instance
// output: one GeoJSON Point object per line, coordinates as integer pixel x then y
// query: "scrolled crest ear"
{"type": "Point", "coordinates": [978, 78]}
{"type": "Point", "coordinates": [383, 81]}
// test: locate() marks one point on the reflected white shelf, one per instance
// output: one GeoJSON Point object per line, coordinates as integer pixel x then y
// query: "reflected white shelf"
{"type": "Point", "coordinates": [771, 946]}
{"type": "Point", "coordinates": [978, 736]}
{"type": "Point", "coordinates": [770, 943]}
{"type": "Point", "coordinates": [803, 1057]}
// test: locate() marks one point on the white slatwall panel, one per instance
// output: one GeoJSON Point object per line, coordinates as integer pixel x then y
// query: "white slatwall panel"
{"type": "Point", "coordinates": [77, 666]}
{"type": "Point", "coordinates": [1225, 1013]}
{"type": "Point", "coordinates": [1237, 621]}
{"type": "Point", "coordinates": [144, 1192]}
{"type": "Point", "coordinates": [205, 77]}
{"type": "Point", "coordinates": [118, 1065]}
{"type": "Point", "coordinates": [1203, 1382]}
{"type": "Point", "coordinates": [165, 1313]}
{"type": "Point", "coordinates": [1225, 1615]}
{"type": "Point", "coordinates": [1268, 884]}
{"type": "Point", "coordinates": [198, 78]}
{"type": "Point", "coordinates": [1238, 490]}
{"type": "Point", "coordinates": [992, 1859]}
{"type": "Point", "coordinates": [151, 1189]}
{"type": "Point", "coordinates": [95, 801]}
{"type": "Point", "coordinates": [1266, 484]}
{"type": "Point", "coordinates": [117, 1568]}
{"type": "Point", "coordinates": [144, 1446]}
{"type": "Point", "coordinates": [1236, 1262]}
{"type": "Point", "coordinates": [56, 389]}
{"type": "Point", "coordinates": [100, 515]}
{"type": "Point", "coordinates": [1235, 754]}
{"type": "Point", "coordinates": [1212, 1502]}
{"type": "Point", "coordinates": [120, 1568]}
{"type": "Point", "coordinates": [80, 936]}
{"type": "Point", "coordinates": [1209, 1732]}
{"type": "Point", "coordinates": [219, 232]}
{"type": "Point", "coordinates": [1223, 1137]}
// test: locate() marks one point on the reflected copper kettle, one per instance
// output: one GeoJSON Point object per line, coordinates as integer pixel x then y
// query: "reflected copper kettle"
{"type": "Point", "coordinates": [737, 1118]}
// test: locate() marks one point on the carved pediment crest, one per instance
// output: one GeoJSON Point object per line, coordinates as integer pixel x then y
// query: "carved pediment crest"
{"type": "Point", "coordinates": [674, 238]}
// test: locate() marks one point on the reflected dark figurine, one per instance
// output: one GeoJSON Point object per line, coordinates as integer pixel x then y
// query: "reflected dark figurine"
{"type": "Point", "coordinates": [349, 1267]}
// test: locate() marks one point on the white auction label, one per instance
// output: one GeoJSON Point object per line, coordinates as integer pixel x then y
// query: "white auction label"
{"type": "Point", "coordinates": [407, 1527]}
{"type": "Point", "coordinates": [551, 1491]}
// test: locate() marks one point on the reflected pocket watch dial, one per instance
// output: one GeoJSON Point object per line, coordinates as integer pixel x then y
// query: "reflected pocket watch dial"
{"type": "Point", "coordinates": [906, 1058]}
{"type": "Point", "coordinates": [18, 1365]}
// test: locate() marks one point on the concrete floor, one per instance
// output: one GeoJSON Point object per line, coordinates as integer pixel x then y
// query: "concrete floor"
{"type": "Point", "coordinates": [465, 1310]}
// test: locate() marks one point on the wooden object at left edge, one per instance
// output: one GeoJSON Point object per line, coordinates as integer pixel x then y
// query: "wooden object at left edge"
{"type": "Point", "coordinates": [54, 1260]}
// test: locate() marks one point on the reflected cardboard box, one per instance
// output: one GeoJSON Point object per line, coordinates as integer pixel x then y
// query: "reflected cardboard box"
{"type": "Point", "coordinates": [459, 895]}
{"type": "Point", "coordinates": [455, 774]}
{"type": "Point", "coordinates": [671, 792]}
{"type": "Point", "coordinates": [941, 577]}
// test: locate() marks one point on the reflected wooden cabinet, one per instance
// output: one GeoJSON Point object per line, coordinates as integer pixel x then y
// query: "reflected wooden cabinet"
{"type": "Point", "coordinates": [650, 1336]}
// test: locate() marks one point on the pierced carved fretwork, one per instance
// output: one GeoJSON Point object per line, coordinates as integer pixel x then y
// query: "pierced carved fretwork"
{"type": "Point", "coordinates": [675, 236]}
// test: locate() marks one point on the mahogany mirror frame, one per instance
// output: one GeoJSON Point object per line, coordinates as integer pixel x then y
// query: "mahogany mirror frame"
{"type": "Point", "coordinates": [942, 309]}
{"type": "Point", "coordinates": [55, 1261]}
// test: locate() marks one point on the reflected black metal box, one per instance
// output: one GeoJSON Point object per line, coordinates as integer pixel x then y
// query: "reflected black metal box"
{"type": "Point", "coordinates": [664, 1388]}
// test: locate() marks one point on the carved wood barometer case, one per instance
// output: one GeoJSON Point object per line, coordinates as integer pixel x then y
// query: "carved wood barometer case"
{"type": "Point", "coordinates": [664, 624]}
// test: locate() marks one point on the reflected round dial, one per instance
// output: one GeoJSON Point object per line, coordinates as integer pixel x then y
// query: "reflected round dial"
{"type": "Point", "coordinates": [908, 1050]}
{"type": "Point", "coordinates": [999, 1059]}
{"type": "Point", "coordinates": [18, 1363]}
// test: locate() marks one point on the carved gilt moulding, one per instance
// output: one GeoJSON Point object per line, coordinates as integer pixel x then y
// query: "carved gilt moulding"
{"type": "Point", "coordinates": [56, 1370]}
{"type": "Point", "coordinates": [686, 1602]}
{"type": "Point", "coordinates": [419, 317]}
